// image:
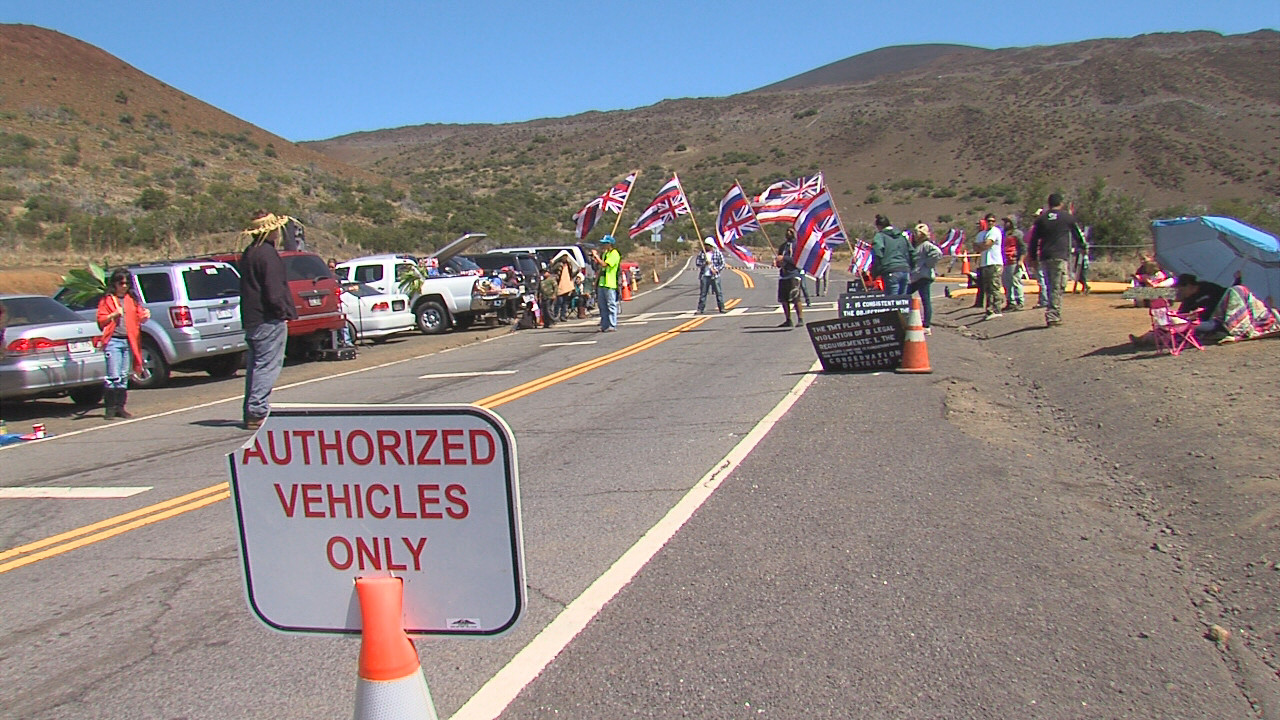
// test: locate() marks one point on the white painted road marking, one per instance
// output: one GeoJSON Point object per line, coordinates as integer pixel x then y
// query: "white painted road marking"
{"type": "Point", "coordinates": [478, 373]}
{"type": "Point", "coordinates": [70, 493]}
{"type": "Point", "coordinates": [580, 342]}
{"type": "Point", "coordinates": [496, 694]}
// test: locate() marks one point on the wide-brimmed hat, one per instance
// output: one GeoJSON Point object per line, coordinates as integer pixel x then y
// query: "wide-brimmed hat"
{"type": "Point", "coordinates": [707, 240]}
{"type": "Point", "coordinates": [266, 223]}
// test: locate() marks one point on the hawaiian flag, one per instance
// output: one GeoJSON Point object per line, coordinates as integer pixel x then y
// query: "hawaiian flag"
{"type": "Point", "coordinates": [953, 242]}
{"type": "Point", "coordinates": [862, 257]}
{"type": "Point", "coordinates": [783, 200]}
{"type": "Point", "coordinates": [586, 218]}
{"type": "Point", "coordinates": [734, 220]}
{"type": "Point", "coordinates": [616, 197]}
{"type": "Point", "coordinates": [817, 226]}
{"type": "Point", "coordinates": [669, 203]}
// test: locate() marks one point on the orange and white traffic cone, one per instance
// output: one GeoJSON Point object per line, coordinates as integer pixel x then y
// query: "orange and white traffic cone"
{"type": "Point", "coordinates": [655, 278]}
{"type": "Point", "coordinates": [391, 682]}
{"type": "Point", "coordinates": [915, 352]}
{"type": "Point", "coordinates": [964, 265]}
{"type": "Point", "coordinates": [634, 282]}
{"type": "Point", "coordinates": [625, 286]}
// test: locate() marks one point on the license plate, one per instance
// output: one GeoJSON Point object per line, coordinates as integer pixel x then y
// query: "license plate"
{"type": "Point", "coordinates": [79, 346]}
{"type": "Point", "coordinates": [315, 301]}
{"type": "Point", "coordinates": [224, 313]}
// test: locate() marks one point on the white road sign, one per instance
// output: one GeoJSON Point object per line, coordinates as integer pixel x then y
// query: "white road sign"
{"type": "Point", "coordinates": [324, 495]}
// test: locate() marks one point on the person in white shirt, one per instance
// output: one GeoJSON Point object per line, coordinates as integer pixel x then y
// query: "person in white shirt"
{"type": "Point", "coordinates": [990, 248]}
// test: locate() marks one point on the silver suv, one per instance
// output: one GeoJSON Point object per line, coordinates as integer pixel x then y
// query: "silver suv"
{"type": "Point", "coordinates": [195, 319]}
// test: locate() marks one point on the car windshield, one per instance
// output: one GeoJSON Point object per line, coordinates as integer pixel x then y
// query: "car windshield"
{"type": "Point", "coordinates": [306, 267]}
{"type": "Point", "coordinates": [209, 282]}
{"type": "Point", "coordinates": [459, 265]}
{"type": "Point", "coordinates": [37, 311]}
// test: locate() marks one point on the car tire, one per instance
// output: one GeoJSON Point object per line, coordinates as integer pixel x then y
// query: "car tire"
{"type": "Point", "coordinates": [87, 396]}
{"type": "Point", "coordinates": [431, 317]}
{"type": "Point", "coordinates": [154, 367]}
{"type": "Point", "coordinates": [225, 366]}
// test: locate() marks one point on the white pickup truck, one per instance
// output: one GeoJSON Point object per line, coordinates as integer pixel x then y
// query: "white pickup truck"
{"type": "Point", "coordinates": [442, 301]}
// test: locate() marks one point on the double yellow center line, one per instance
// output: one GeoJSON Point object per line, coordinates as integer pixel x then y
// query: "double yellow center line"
{"type": "Point", "coordinates": [57, 544]}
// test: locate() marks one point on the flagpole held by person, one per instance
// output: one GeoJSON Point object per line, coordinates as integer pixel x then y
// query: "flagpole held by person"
{"type": "Point", "coordinates": [617, 220]}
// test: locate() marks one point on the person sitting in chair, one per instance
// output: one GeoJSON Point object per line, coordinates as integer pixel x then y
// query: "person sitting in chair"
{"type": "Point", "coordinates": [1197, 300]}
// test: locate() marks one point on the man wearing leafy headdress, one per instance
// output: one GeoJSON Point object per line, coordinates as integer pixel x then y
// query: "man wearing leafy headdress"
{"type": "Point", "coordinates": [266, 307]}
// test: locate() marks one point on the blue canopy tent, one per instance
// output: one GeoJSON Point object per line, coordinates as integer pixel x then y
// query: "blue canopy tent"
{"type": "Point", "coordinates": [1216, 249]}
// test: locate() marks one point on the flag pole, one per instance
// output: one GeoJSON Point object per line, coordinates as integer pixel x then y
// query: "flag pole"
{"type": "Point", "coordinates": [692, 215]}
{"type": "Point", "coordinates": [624, 204]}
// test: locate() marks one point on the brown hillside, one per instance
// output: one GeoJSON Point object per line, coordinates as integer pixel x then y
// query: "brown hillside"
{"type": "Point", "coordinates": [1183, 118]}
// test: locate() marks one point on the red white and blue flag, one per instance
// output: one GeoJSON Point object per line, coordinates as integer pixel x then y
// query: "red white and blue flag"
{"type": "Point", "coordinates": [616, 197]}
{"type": "Point", "coordinates": [586, 218]}
{"type": "Point", "coordinates": [783, 200]}
{"type": "Point", "coordinates": [669, 203]}
{"type": "Point", "coordinates": [862, 257]}
{"type": "Point", "coordinates": [817, 227]}
{"type": "Point", "coordinates": [953, 243]}
{"type": "Point", "coordinates": [734, 220]}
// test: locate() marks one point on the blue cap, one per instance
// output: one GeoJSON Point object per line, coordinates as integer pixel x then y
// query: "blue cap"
{"type": "Point", "coordinates": [606, 239]}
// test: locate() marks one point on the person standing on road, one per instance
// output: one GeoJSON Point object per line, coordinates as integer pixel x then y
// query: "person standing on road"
{"type": "Point", "coordinates": [892, 257]}
{"type": "Point", "coordinates": [789, 276]}
{"type": "Point", "coordinates": [710, 264]}
{"type": "Point", "coordinates": [266, 307]}
{"type": "Point", "coordinates": [1053, 235]}
{"type": "Point", "coordinates": [547, 298]}
{"type": "Point", "coordinates": [922, 273]}
{"type": "Point", "coordinates": [1012, 275]}
{"type": "Point", "coordinates": [607, 283]}
{"type": "Point", "coordinates": [120, 316]}
{"type": "Point", "coordinates": [990, 247]}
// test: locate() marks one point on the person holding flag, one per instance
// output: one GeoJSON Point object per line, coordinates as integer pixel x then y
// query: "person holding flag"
{"type": "Point", "coordinates": [710, 264]}
{"type": "Point", "coordinates": [789, 276]}
{"type": "Point", "coordinates": [607, 283]}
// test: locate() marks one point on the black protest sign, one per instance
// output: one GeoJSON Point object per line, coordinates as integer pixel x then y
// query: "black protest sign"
{"type": "Point", "coordinates": [855, 304]}
{"type": "Point", "coordinates": [865, 343]}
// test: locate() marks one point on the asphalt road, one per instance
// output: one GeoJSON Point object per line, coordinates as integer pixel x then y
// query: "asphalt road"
{"type": "Point", "coordinates": [883, 552]}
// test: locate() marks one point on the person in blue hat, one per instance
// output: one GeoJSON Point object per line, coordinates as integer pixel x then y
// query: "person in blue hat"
{"type": "Point", "coordinates": [607, 283]}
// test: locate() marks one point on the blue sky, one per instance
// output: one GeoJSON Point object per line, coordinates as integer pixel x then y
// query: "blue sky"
{"type": "Point", "coordinates": [309, 70]}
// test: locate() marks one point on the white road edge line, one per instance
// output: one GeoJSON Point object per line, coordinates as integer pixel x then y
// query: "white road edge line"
{"type": "Point", "coordinates": [495, 695]}
{"type": "Point", "coordinates": [476, 373]}
{"type": "Point", "coordinates": [71, 493]}
{"type": "Point", "coordinates": [563, 344]}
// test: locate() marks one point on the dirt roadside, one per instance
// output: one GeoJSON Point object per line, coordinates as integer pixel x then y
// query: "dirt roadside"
{"type": "Point", "coordinates": [1189, 444]}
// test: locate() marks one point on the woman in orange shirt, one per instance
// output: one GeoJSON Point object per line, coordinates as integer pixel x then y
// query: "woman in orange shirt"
{"type": "Point", "coordinates": [120, 315]}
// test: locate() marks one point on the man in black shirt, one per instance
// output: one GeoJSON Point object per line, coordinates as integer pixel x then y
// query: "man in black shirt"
{"type": "Point", "coordinates": [1054, 235]}
{"type": "Point", "coordinates": [266, 307]}
{"type": "Point", "coordinates": [1199, 298]}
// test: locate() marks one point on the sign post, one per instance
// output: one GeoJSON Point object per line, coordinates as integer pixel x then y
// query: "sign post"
{"type": "Point", "coordinates": [328, 494]}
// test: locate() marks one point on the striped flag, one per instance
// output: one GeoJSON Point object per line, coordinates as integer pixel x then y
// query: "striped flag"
{"type": "Point", "coordinates": [669, 203]}
{"type": "Point", "coordinates": [783, 200]}
{"type": "Point", "coordinates": [817, 226]}
{"type": "Point", "coordinates": [586, 218]}
{"type": "Point", "coordinates": [615, 198]}
{"type": "Point", "coordinates": [953, 242]}
{"type": "Point", "coordinates": [862, 257]}
{"type": "Point", "coordinates": [734, 220]}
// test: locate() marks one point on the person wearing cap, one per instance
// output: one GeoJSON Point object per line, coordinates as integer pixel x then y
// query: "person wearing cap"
{"type": "Point", "coordinates": [1053, 235]}
{"type": "Point", "coordinates": [266, 307]}
{"type": "Point", "coordinates": [990, 247]}
{"type": "Point", "coordinates": [607, 283]}
{"type": "Point", "coordinates": [710, 264]}
{"type": "Point", "coordinates": [1013, 274]}
{"type": "Point", "coordinates": [922, 272]}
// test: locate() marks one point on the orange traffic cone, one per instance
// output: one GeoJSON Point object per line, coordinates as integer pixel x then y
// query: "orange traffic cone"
{"type": "Point", "coordinates": [964, 265]}
{"type": "Point", "coordinates": [634, 282]}
{"type": "Point", "coordinates": [915, 353]}
{"type": "Point", "coordinates": [655, 278]}
{"type": "Point", "coordinates": [391, 681]}
{"type": "Point", "coordinates": [625, 286]}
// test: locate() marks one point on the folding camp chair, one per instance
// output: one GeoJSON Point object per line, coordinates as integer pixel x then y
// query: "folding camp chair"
{"type": "Point", "coordinates": [1172, 331]}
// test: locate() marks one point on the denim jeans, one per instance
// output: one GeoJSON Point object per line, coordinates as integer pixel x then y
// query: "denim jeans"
{"type": "Point", "coordinates": [710, 282]}
{"type": "Point", "coordinates": [119, 363]}
{"type": "Point", "coordinates": [607, 300]}
{"type": "Point", "coordinates": [264, 360]}
{"type": "Point", "coordinates": [924, 286]}
{"type": "Point", "coordinates": [1012, 278]}
{"type": "Point", "coordinates": [895, 282]}
{"type": "Point", "coordinates": [1042, 277]}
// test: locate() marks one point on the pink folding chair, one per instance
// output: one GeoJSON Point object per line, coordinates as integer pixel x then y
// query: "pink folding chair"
{"type": "Point", "coordinates": [1172, 331]}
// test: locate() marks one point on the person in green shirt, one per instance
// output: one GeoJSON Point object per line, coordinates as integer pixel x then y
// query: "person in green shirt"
{"type": "Point", "coordinates": [607, 283]}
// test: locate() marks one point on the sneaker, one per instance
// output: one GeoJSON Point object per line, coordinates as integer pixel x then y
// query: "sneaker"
{"type": "Point", "coordinates": [993, 315]}
{"type": "Point", "coordinates": [928, 331]}
{"type": "Point", "coordinates": [253, 423]}
{"type": "Point", "coordinates": [1052, 323]}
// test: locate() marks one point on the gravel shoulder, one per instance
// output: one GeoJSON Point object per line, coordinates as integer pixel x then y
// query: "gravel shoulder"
{"type": "Point", "coordinates": [1188, 444]}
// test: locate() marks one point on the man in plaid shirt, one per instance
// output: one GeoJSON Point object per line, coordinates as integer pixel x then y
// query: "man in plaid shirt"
{"type": "Point", "coordinates": [710, 264]}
